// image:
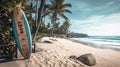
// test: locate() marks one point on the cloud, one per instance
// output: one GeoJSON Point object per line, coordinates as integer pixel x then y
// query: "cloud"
{"type": "Point", "coordinates": [86, 8]}
{"type": "Point", "coordinates": [105, 6]}
{"type": "Point", "coordinates": [95, 17]}
{"type": "Point", "coordinates": [91, 6]}
{"type": "Point", "coordinates": [98, 25]}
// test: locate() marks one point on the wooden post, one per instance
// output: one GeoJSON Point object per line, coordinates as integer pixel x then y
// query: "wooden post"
{"type": "Point", "coordinates": [34, 47]}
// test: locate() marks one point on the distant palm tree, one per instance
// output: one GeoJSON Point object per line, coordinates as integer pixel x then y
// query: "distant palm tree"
{"type": "Point", "coordinates": [57, 8]}
{"type": "Point", "coordinates": [48, 28]}
{"type": "Point", "coordinates": [56, 30]}
{"type": "Point", "coordinates": [65, 27]}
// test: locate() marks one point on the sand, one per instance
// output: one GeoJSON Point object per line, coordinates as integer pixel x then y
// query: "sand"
{"type": "Point", "coordinates": [57, 53]}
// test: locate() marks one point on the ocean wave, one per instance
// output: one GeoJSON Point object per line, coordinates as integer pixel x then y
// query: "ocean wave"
{"type": "Point", "coordinates": [100, 43]}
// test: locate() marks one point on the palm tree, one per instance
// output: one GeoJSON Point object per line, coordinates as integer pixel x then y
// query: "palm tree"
{"type": "Point", "coordinates": [48, 28]}
{"type": "Point", "coordinates": [41, 7]}
{"type": "Point", "coordinates": [57, 8]}
{"type": "Point", "coordinates": [56, 30]}
{"type": "Point", "coordinates": [65, 27]}
{"type": "Point", "coordinates": [30, 9]}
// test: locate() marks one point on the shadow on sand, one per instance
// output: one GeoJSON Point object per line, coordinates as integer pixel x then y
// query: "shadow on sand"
{"type": "Point", "coordinates": [9, 60]}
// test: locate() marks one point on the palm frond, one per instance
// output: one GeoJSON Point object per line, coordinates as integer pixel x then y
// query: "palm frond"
{"type": "Point", "coordinates": [63, 16]}
{"type": "Point", "coordinates": [65, 5]}
{"type": "Point", "coordinates": [61, 2]}
{"type": "Point", "coordinates": [48, 6]}
{"type": "Point", "coordinates": [46, 14]}
{"type": "Point", "coordinates": [53, 2]}
{"type": "Point", "coordinates": [65, 11]}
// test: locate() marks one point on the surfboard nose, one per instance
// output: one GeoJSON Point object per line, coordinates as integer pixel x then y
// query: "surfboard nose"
{"type": "Point", "coordinates": [17, 10]}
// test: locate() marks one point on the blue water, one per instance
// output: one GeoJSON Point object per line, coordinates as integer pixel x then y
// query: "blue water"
{"type": "Point", "coordinates": [106, 42]}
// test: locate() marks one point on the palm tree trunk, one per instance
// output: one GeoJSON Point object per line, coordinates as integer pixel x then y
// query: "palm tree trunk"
{"type": "Point", "coordinates": [31, 16]}
{"type": "Point", "coordinates": [39, 17]}
{"type": "Point", "coordinates": [52, 32]}
{"type": "Point", "coordinates": [36, 16]}
{"type": "Point", "coordinates": [54, 23]}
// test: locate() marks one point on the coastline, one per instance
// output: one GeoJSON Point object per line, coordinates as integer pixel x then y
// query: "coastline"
{"type": "Point", "coordinates": [94, 45]}
{"type": "Point", "coordinates": [57, 54]}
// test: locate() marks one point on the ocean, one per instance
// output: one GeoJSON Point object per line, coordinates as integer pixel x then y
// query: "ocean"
{"type": "Point", "coordinates": [104, 42]}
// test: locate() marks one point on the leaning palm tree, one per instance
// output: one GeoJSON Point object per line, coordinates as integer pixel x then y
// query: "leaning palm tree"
{"type": "Point", "coordinates": [40, 10]}
{"type": "Point", "coordinates": [57, 8]}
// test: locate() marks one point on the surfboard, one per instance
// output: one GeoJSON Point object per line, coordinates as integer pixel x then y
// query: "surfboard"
{"type": "Point", "coordinates": [22, 34]}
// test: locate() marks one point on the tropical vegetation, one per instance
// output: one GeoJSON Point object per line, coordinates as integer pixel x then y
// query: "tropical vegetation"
{"type": "Point", "coordinates": [37, 15]}
{"type": "Point", "coordinates": [6, 8]}
{"type": "Point", "coordinates": [57, 8]}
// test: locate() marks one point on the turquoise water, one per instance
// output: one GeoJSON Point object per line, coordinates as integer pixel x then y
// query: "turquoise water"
{"type": "Point", "coordinates": [106, 42]}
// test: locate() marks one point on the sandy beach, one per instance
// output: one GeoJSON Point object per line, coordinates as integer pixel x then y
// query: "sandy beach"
{"type": "Point", "coordinates": [57, 54]}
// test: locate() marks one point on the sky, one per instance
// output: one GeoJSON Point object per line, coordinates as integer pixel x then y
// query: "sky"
{"type": "Point", "coordinates": [95, 17]}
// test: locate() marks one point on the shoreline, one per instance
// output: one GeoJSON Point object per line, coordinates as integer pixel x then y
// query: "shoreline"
{"type": "Point", "coordinates": [95, 46]}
